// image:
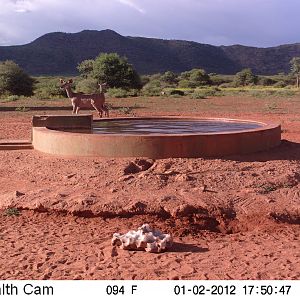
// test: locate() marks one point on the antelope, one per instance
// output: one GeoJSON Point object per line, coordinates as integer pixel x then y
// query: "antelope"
{"type": "Point", "coordinates": [80, 100]}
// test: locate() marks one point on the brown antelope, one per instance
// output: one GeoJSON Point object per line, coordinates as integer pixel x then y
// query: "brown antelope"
{"type": "Point", "coordinates": [90, 101]}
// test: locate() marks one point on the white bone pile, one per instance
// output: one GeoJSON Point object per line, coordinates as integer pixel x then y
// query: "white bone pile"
{"type": "Point", "coordinates": [145, 238]}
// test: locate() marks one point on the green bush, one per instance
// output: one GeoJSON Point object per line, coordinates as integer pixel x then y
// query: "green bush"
{"type": "Point", "coordinates": [48, 88]}
{"type": "Point", "coordinates": [194, 78]}
{"type": "Point", "coordinates": [280, 84]}
{"type": "Point", "coordinates": [265, 81]}
{"type": "Point", "coordinates": [245, 77]}
{"type": "Point", "coordinates": [152, 88]}
{"type": "Point", "coordinates": [22, 109]}
{"type": "Point", "coordinates": [12, 98]}
{"type": "Point", "coordinates": [122, 93]}
{"type": "Point", "coordinates": [12, 212]}
{"type": "Point", "coordinates": [202, 93]}
{"type": "Point", "coordinates": [218, 80]}
{"type": "Point", "coordinates": [169, 79]}
{"type": "Point", "coordinates": [151, 91]}
{"type": "Point", "coordinates": [156, 76]}
{"type": "Point", "coordinates": [198, 94]}
{"type": "Point", "coordinates": [87, 86]}
{"type": "Point", "coordinates": [14, 81]}
{"type": "Point", "coordinates": [184, 83]}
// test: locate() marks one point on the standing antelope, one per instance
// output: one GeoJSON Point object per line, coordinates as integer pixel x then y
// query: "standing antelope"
{"type": "Point", "coordinates": [80, 100]}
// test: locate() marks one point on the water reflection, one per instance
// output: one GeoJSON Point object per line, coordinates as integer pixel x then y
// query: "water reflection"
{"type": "Point", "coordinates": [159, 126]}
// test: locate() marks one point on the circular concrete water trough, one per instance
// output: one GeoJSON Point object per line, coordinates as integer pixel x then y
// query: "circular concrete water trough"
{"type": "Point", "coordinates": [159, 137]}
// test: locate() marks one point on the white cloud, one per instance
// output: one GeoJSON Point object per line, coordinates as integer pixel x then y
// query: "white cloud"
{"type": "Point", "coordinates": [24, 6]}
{"type": "Point", "coordinates": [130, 3]}
{"type": "Point", "coordinates": [19, 6]}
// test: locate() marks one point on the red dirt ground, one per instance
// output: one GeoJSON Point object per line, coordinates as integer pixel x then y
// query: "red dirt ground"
{"type": "Point", "coordinates": [231, 218]}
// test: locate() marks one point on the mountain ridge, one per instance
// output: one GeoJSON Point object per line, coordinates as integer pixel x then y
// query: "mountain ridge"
{"type": "Point", "coordinates": [58, 53]}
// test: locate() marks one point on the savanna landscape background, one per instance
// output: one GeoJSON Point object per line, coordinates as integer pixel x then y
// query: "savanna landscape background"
{"type": "Point", "coordinates": [233, 217]}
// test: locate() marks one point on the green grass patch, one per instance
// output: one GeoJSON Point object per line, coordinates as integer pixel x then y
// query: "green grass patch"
{"type": "Point", "coordinates": [22, 109]}
{"type": "Point", "coordinates": [12, 212]}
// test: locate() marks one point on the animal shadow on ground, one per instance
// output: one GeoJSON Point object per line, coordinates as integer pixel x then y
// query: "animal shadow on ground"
{"type": "Point", "coordinates": [183, 247]}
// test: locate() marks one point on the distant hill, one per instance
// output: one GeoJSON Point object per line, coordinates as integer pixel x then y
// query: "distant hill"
{"type": "Point", "coordinates": [59, 53]}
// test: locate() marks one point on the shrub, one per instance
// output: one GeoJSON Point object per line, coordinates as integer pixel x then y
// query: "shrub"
{"type": "Point", "coordinates": [13, 80]}
{"type": "Point", "coordinates": [12, 98]}
{"type": "Point", "coordinates": [220, 79]}
{"type": "Point", "coordinates": [87, 86]}
{"type": "Point", "coordinates": [22, 109]}
{"type": "Point", "coordinates": [184, 83]}
{"type": "Point", "coordinates": [196, 78]}
{"type": "Point", "coordinates": [265, 81]}
{"type": "Point", "coordinates": [151, 91]}
{"type": "Point", "coordinates": [198, 94]}
{"type": "Point", "coordinates": [156, 76]}
{"type": "Point", "coordinates": [280, 84]}
{"type": "Point", "coordinates": [152, 88]}
{"type": "Point", "coordinates": [245, 77]}
{"type": "Point", "coordinates": [46, 88]}
{"type": "Point", "coordinates": [202, 93]}
{"type": "Point", "coordinates": [122, 93]}
{"type": "Point", "coordinates": [169, 79]}
{"type": "Point", "coordinates": [12, 212]}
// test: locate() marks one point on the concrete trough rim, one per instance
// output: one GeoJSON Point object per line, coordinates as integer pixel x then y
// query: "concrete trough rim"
{"type": "Point", "coordinates": [186, 145]}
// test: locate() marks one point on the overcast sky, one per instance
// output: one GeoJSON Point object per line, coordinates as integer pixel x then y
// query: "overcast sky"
{"type": "Point", "coordinates": [219, 22]}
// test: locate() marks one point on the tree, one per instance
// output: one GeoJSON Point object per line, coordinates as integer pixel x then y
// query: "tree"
{"type": "Point", "coordinates": [169, 78]}
{"type": "Point", "coordinates": [184, 83]}
{"type": "Point", "coordinates": [13, 80]}
{"type": "Point", "coordinates": [195, 78]}
{"type": "Point", "coordinates": [116, 71]}
{"type": "Point", "coordinates": [86, 67]}
{"type": "Point", "coordinates": [295, 69]}
{"type": "Point", "coordinates": [245, 77]}
{"type": "Point", "coordinates": [199, 77]}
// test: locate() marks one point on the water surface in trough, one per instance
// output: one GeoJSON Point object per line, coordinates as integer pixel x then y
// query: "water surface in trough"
{"type": "Point", "coordinates": [170, 126]}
